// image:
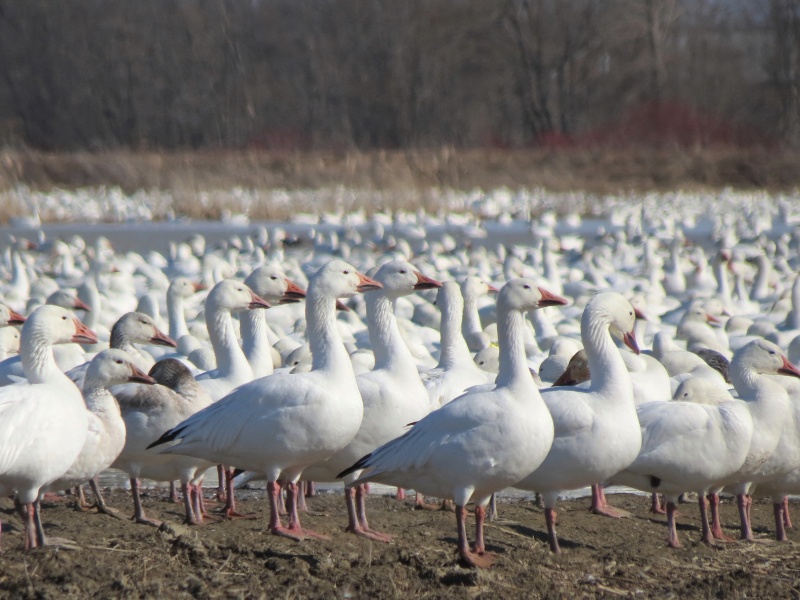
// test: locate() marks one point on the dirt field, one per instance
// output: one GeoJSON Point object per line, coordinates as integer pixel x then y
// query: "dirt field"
{"type": "Point", "coordinates": [239, 559]}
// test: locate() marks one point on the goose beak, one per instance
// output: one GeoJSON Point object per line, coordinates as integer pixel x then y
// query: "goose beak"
{"type": "Point", "coordinates": [366, 284]}
{"type": "Point", "coordinates": [139, 376]}
{"type": "Point", "coordinates": [81, 305]}
{"type": "Point", "coordinates": [14, 318]}
{"type": "Point", "coordinates": [83, 335]}
{"type": "Point", "coordinates": [257, 302]}
{"type": "Point", "coordinates": [789, 369]}
{"type": "Point", "coordinates": [492, 289]}
{"type": "Point", "coordinates": [712, 319]}
{"type": "Point", "coordinates": [550, 299]}
{"type": "Point", "coordinates": [293, 293]}
{"type": "Point", "coordinates": [342, 306]}
{"type": "Point", "coordinates": [425, 283]}
{"type": "Point", "coordinates": [199, 287]}
{"type": "Point", "coordinates": [639, 314]}
{"type": "Point", "coordinates": [162, 339]}
{"type": "Point", "coordinates": [630, 341]}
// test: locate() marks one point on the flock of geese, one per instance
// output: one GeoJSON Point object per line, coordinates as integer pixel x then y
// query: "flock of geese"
{"type": "Point", "coordinates": [619, 358]}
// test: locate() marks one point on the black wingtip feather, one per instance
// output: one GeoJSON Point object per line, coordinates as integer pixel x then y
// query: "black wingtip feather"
{"type": "Point", "coordinates": [237, 472]}
{"type": "Point", "coordinates": [168, 436]}
{"type": "Point", "coordinates": [362, 462]}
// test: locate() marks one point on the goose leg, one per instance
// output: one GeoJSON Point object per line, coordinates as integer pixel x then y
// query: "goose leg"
{"type": "Point", "coordinates": [707, 537]}
{"type": "Point", "coordinates": [301, 497]}
{"type": "Point", "coordinates": [26, 511]}
{"type": "Point", "coordinates": [467, 556]}
{"type": "Point", "coordinates": [744, 517]}
{"type": "Point", "coordinates": [550, 518]}
{"type": "Point", "coordinates": [221, 484]}
{"type": "Point", "coordinates": [100, 503]}
{"type": "Point", "coordinates": [230, 498]}
{"type": "Point", "coordinates": [361, 508]}
{"type": "Point", "coordinates": [173, 493]}
{"type": "Point", "coordinates": [354, 524]}
{"type": "Point", "coordinates": [294, 516]}
{"type": "Point", "coordinates": [493, 508]}
{"type": "Point", "coordinates": [780, 531]}
{"type": "Point", "coordinates": [655, 505]}
{"type": "Point", "coordinates": [310, 490]}
{"type": "Point", "coordinates": [41, 539]}
{"type": "Point", "coordinates": [601, 507]}
{"type": "Point", "coordinates": [787, 519]}
{"type": "Point", "coordinates": [674, 542]}
{"type": "Point", "coordinates": [192, 518]}
{"type": "Point", "coordinates": [479, 547]}
{"type": "Point", "coordinates": [401, 495]}
{"type": "Point", "coordinates": [138, 511]}
{"type": "Point", "coordinates": [716, 525]}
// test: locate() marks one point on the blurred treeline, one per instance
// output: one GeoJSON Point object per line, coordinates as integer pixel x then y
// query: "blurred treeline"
{"type": "Point", "coordinates": [372, 74]}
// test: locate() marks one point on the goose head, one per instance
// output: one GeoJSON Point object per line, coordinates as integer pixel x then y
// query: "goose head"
{"type": "Point", "coordinates": [400, 278]}
{"type": "Point", "coordinates": [524, 295]}
{"type": "Point", "coordinates": [67, 299]}
{"type": "Point", "coordinates": [700, 391]}
{"type": "Point", "coordinates": [57, 325]}
{"type": "Point", "coordinates": [171, 373]}
{"type": "Point", "coordinates": [183, 287]}
{"type": "Point", "coordinates": [763, 357]}
{"type": "Point", "coordinates": [9, 341]}
{"type": "Point", "coordinates": [577, 370]}
{"type": "Point", "coordinates": [113, 367]}
{"type": "Point", "coordinates": [338, 279]}
{"type": "Point", "coordinates": [234, 296]}
{"type": "Point", "coordinates": [271, 283]}
{"type": "Point", "coordinates": [620, 315]}
{"type": "Point", "coordinates": [10, 317]}
{"type": "Point", "coordinates": [140, 328]}
{"type": "Point", "coordinates": [474, 286]}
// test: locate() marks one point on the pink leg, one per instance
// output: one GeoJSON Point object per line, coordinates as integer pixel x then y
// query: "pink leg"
{"type": "Point", "coordinates": [275, 525]}
{"type": "Point", "coordinates": [353, 522]}
{"type": "Point", "coordinates": [674, 542]}
{"type": "Point", "coordinates": [294, 516]}
{"type": "Point", "coordinates": [707, 537]}
{"type": "Point", "coordinates": [716, 525]}
{"type": "Point", "coordinates": [744, 517]}
{"type": "Point", "coordinates": [311, 490]}
{"type": "Point", "coordinates": [787, 520]}
{"type": "Point", "coordinates": [100, 502]}
{"type": "Point", "coordinates": [221, 484]}
{"type": "Point", "coordinates": [550, 518]}
{"type": "Point", "coordinates": [230, 498]}
{"type": "Point", "coordinates": [401, 494]}
{"type": "Point", "coordinates": [361, 508]}
{"type": "Point", "coordinates": [301, 497]}
{"type": "Point", "coordinates": [780, 531]}
{"type": "Point", "coordinates": [469, 557]}
{"type": "Point", "coordinates": [138, 511]}
{"type": "Point", "coordinates": [479, 547]}
{"type": "Point", "coordinates": [192, 518]}
{"type": "Point", "coordinates": [30, 527]}
{"type": "Point", "coordinates": [601, 507]}
{"type": "Point", "coordinates": [655, 505]}
{"type": "Point", "coordinates": [173, 493]}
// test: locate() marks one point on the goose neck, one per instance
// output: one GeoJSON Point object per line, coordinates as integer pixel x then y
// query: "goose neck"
{"type": "Point", "coordinates": [454, 350]}
{"type": "Point", "coordinates": [255, 341]}
{"type": "Point", "coordinates": [99, 400]}
{"type": "Point", "coordinates": [605, 362]}
{"type": "Point", "coordinates": [513, 362]}
{"type": "Point", "coordinates": [384, 334]}
{"type": "Point", "coordinates": [38, 362]}
{"type": "Point", "coordinates": [327, 349]}
{"type": "Point", "coordinates": [176, 317]}
{"type": "Point", "coordinates": [226, 347]}
{"type": "Point", "coordinates": [472, 320]}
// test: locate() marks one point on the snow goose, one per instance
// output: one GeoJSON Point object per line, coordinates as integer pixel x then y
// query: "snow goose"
{"type": "Point", "coordinates": [131, 328]}
{"type": "Point", "coordinates": [271, 284]}
{"type": "Point", "coordinates": [456, 370]}
{"type": "Point", "coordinates": [9, 342]}
{"type": "Point", "coordinates": [43, 422]}
{"type": "Point", "coordinates": [699, 446]}
{"type": "Point", "coordinates": [150, 410]}
{"type": "Point", "coordinates": [596, 429]}
{"type": "Point", "coordinates": [281, 424]}
{"type": "Point", "coordinates": [392, 393]}
{"type": "Point", "coordinates": [228, 296]}
{"type": "Point", "coordinates": [480, 442]}
{"type": "Point", "coordinates": [471, 288]}
{"type": "Point", "coordinates": [106, 433]}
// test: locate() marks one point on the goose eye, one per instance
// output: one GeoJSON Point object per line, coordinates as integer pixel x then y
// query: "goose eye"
{"type": "Point", "coordinates": [118, 361]}
{"type": "Point", "coordinates": [273, 277]}
{"type": "Point", "coordinates": [346, 272]}
{"type": "Point", "coordinates": [772, 352]}
{"type": "Point", "coordinates": [403, 272]}
{"type": "Point", "coordinates": [63, 318]}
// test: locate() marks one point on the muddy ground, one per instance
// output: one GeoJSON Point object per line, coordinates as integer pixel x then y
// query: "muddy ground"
{"type": "Point", "coordinates": [239, 559]}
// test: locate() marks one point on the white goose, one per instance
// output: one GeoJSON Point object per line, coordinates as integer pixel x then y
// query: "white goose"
{"type": "Point", "coordinates": [698, 446]}
{"type": "Point", "coordinates": [392, 393]}
{"type": "Point", "coordinates": [147, 412]}
{"type": "Point", "coordinates": [480, 442]}
{"type": "Point", "coordinates": [43, 422]}
{"type": "Point", "coordinates": [281, 424]}
{"type": "Point", "coordinates": [456, 370]}
{"type": "Point", "coordinates": [271, 284]}
{"type": "Point", "coordinates": [471, 288]}
{"type": "Point", "coordinates": [106, 432]}
{"type": "Point", "coordinates": [596, 429]}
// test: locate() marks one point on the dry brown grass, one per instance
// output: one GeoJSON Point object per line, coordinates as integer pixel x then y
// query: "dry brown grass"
{"type": "Point", "coordinates": [201, 182]}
